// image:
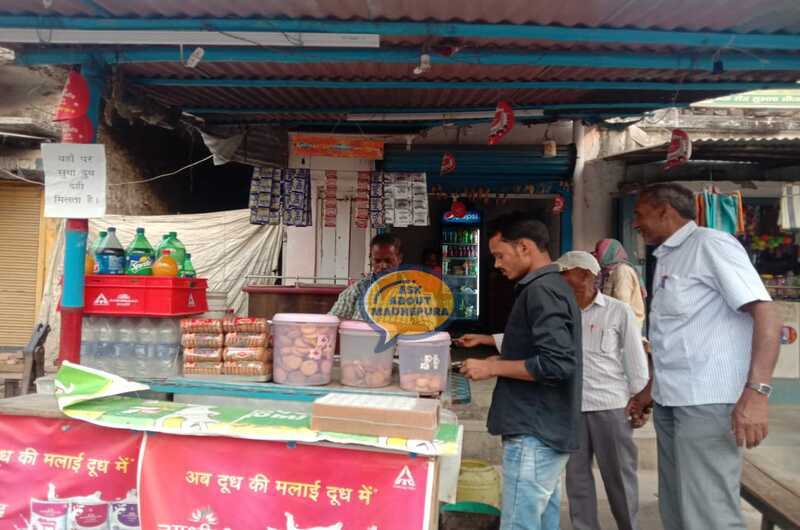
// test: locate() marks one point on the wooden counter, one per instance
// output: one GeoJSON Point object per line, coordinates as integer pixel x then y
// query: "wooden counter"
{"type": "Point", "coordinates": [265, 301]}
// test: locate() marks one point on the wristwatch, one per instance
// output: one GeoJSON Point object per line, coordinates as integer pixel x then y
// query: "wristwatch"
{"type": "Point", "coordinates": [761, 388]}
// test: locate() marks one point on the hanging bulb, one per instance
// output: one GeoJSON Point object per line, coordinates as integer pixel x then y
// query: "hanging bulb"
{"type": "Point", "coordinates": [424, 64]}
{"type": "Point", "coordinates": [195, 58]}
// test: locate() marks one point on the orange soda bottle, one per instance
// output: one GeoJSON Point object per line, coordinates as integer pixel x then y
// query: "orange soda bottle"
{"type": "Point", "coordinates": [165, 266]}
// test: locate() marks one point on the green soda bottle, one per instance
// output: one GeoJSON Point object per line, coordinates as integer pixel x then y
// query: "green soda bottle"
{"type": "Point", "coordinates": [187, 270]}
{"type": "Point", "coordinates": [92, 252]}
{"type": "Point", "coordinates": [99, 241]}
{"type": "Point", "coordinates": [139, 255]}
{"type": "Point", "coordinates": [177, 249]}
{"type": "Point", "coordinates": [162, 244]}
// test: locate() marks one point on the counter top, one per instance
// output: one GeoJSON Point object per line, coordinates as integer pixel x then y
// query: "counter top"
{"type": "Point", "coordinates": [291, 289]}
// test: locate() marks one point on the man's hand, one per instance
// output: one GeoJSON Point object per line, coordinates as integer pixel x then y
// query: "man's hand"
{"type": "Point", "coordinates": [479, 369]}
{"type": "Point", "coordinates": [749, 420]}
{"type": "Point", "coordinates": [471, 340]}
{"type": "Point", "coordinates": [639, 407]}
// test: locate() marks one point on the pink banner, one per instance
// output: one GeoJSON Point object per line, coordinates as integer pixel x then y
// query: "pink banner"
{"type": "Point", "coordinates": [237, 484]}
{"type": "Point", "coordinates": [75, 457]}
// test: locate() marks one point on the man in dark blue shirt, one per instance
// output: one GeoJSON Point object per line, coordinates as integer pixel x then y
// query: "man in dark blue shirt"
{"type": "Point", "coordinates": [537, 398]}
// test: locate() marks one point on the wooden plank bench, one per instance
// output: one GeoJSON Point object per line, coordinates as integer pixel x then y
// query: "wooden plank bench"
{"type": "Point", "coordinates": [779, 505]}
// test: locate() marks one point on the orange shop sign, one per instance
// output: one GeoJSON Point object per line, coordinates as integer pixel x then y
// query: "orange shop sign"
{"type": "Point", "coordinates": [338, 146]}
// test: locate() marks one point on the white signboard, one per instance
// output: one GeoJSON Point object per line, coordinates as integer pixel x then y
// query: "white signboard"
{"type": "Point", "coordinates": [74, 180]}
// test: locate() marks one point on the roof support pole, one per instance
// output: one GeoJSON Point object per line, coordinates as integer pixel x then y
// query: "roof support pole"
{"type": "Point", "coordinates": [578, 191]}
{"type": "Point", "coordinates": [75, 242]}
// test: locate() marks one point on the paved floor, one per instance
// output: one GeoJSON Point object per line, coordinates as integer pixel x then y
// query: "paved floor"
{"type": "Point", "coordinates": [648, 506]}
{"type": "Point", "coordinates": [778, 454]}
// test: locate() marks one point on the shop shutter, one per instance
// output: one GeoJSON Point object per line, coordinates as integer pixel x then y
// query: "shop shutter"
{"type": "Point", "coordinates": [20, 215]}
{"type": "Point", "coordinates": [498, 168]}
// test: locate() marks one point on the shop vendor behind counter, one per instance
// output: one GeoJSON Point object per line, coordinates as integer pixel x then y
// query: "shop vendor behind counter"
{"type": "Point", "coordinates": [385, 253]}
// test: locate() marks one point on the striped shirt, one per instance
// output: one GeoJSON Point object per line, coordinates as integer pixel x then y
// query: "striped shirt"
{"type": "Point", "coordinates": [614, 362]}
{"type": "Point", "coordinates": [701, 339]}
{"type": "Point", "coordinates": [347, 305]}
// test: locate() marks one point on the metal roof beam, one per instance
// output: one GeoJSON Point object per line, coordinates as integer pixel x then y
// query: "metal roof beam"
{"type": "Point", "coordinates": [640, 106]}
{"type": "Point", "coordinates": [713, 40]}
{"type": "Point", "coordinates": [411, 125]}
{"type": "Point", "coordinates": [145, 54]}
{"type": "Point", "coordinates": [456, 85]}
{"type": "Point", "coordinates": [95, 8]}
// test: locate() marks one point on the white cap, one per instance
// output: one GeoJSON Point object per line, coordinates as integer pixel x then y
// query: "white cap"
{"type": "Point", "coordinates": [578, 259]}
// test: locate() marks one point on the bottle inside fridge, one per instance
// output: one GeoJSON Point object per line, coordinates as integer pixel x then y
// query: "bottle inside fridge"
{"type": "Point", "coordinates": [461, 263]}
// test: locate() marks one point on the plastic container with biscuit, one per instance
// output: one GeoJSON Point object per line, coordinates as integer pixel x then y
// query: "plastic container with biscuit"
{"type": "Point", "coordinates": [303, 347]}
{"type": "Point", "coordinates": [424, 362]}
{"type": "Point", "coordinates": [363, 364]}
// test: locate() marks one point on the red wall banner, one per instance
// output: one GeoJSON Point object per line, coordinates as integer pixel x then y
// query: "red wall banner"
{"type": "Point", "coordinates": [236, 484]}
{"type": "Point", "coordinates": [75, 457]}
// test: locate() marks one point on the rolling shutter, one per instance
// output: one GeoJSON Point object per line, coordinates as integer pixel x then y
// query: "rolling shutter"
{"type": "Point", "coordinates": [20, 215]}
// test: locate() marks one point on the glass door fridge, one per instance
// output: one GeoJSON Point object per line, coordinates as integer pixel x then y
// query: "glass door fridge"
{"type": "Point", "coordinates": [461, 263]}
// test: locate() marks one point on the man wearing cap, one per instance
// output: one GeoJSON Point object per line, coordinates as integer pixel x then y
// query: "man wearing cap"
{"type": "Point", "coordinates": [614, 370]}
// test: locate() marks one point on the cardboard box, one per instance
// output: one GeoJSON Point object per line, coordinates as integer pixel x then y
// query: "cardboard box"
{"type": "Point", "coordinates": [401, 417]}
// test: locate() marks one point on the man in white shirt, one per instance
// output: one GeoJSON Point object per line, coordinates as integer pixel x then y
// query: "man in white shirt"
{"type": "Point", "coordinates": [614, 370]}
{"type": "Point", "coordinates": [715, 338]}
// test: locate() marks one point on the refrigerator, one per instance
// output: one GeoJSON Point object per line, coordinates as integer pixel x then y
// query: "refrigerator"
{"type": "Point", "coordinates": [461, 237]}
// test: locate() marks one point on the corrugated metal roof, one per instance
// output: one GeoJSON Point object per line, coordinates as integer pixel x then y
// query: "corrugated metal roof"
{"type": "Point", "coordinates": [775, 151]}
{"type": "Point", "coordinates": [305, 98]}
{"type": "Point", "coordinates": [442, 72]}
{"type": "Point", "coordinates": [762, 16]}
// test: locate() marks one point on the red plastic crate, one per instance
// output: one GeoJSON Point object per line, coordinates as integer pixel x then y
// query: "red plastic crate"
{"type": "Point", "coordinates": [144, 296]}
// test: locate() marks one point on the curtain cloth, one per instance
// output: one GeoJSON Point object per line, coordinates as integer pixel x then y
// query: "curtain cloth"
{"type": "Point", "coordinates": [225, 249]}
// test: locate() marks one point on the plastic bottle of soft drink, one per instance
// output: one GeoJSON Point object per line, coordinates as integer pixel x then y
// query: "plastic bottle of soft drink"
{"type": "Point", "coordinates": [162, 244]}
{"type": "Point", "coordinates": [88, 342]}
{"type": "Point", "coordinates": [144, 351]}
{"type": "Point", "coordinates": [110, 255]}
{"type": "Point", "coordinates": [123, 350]}
{"type": "Point", "coordinates": [105, 337]}
{"type": "Point", "coordinates": [187, 271]}
{"type": "Point", "coordinates": [179, 248]}
{"type": "Point", "coordinates": [165, 265]}
{"type": "Point", "coordinates": [139, 255]}
{"type": "Point", "coordinates": [169, 337]}
{"type": "Point", "coordinates": [92, 252]}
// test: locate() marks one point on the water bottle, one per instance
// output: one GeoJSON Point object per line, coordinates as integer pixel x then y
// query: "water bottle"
{"type": "Point", "coordinates": [123, 347]}
{"type": "Point", "coordinates": [169, 337]}
{"type": "Point", "coordinates": [88, 342]}
{"type": "Point", "coordinates": [144, 351]}
{"type": "Point", "coordinates": [105, 336]}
